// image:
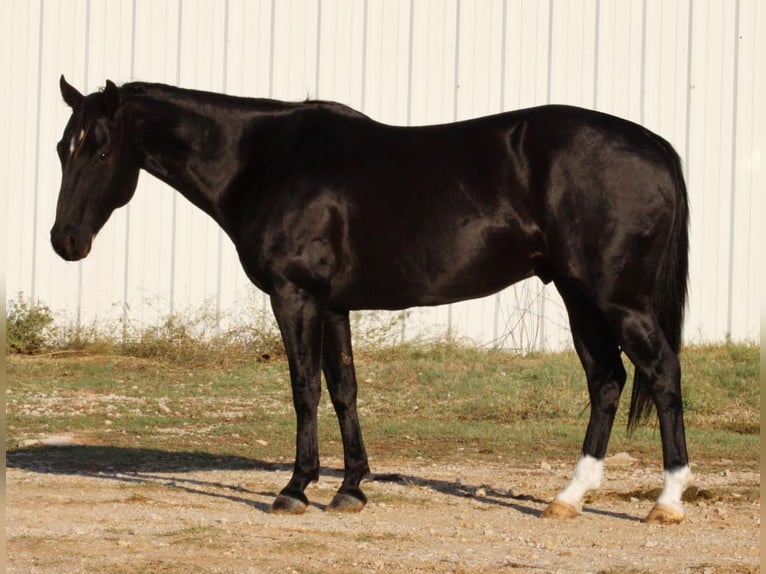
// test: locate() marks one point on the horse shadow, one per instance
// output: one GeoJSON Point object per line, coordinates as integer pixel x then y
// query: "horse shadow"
{"type": "Point", "coordinates": [165, 467]}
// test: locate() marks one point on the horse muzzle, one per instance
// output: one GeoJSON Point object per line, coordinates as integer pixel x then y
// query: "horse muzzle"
{"type": "Point", "coordinates": [70, 243]}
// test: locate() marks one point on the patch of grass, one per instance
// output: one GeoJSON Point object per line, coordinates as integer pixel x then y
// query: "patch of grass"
{"type": "Point", "coordinates": [196, 337]}
{"type": "Point", "coordinates": [438, 402]}
{"type": "Point", "coordinates": [199, 337]}
{"type": "Point", "coordinates": [721, 387]}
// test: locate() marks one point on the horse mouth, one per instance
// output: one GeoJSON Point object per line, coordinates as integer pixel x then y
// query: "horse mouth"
{"type": "Point", "coordinates": [71, 245]}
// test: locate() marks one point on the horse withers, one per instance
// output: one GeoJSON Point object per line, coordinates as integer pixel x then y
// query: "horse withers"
{"type": "Point", "coordinates": [331, 211]}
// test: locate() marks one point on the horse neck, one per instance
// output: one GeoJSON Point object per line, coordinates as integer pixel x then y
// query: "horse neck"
{"type": "Point", "coordinates": [186, 144]}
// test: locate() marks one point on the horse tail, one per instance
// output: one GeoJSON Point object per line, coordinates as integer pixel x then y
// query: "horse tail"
{"type": "Point", "coordinates": [670, 292]}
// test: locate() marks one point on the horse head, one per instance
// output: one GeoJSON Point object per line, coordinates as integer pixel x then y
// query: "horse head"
{"type": "Point", "coordinates": [99, 168]}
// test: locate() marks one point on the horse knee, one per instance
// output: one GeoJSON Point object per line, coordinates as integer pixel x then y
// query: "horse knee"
{"type": "Point", "coordinates": [606, 388]}
{"type": "Point", "coordinates": [607, 398]}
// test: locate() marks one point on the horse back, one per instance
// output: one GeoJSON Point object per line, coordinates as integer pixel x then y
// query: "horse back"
{"type": "Point", "coordinates": [389, 217]}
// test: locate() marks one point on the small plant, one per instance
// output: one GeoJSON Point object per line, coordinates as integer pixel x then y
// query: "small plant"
{"type": "Point", "coordinates": [378, 329]}
{"type": "Point", "coordinates": [29, 326]}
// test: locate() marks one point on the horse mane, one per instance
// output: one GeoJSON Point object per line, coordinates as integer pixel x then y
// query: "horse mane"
{"type": "Point", "coordinates": [182, 96]}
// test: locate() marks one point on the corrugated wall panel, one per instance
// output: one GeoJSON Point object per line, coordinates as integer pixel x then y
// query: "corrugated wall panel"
{"type": "Point", "coordinates": [747, 178]}
{"type": "Point", "coordinates": [20, 54]}
{"type": "Point", "coordinates": [386, 67]}
{"type": "Point", "coordinates": [688, 70]}
{"type": "Point", "coordinates": [198, 242]}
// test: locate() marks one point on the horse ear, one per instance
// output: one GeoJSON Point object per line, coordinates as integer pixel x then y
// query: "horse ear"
{"type": "Point", "coordinates": [70, 94]}
{"type": "Point", "coordinates": [111, 98]}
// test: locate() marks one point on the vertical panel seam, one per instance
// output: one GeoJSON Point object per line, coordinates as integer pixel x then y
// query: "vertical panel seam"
{"type": "Point", "coordinates": [503, 46]}
{"type": "Point", "coordinates": [271, 48]}
{"type": "Point", "coordinates": [454, 117]}
{"type": "Point", "coordinates": [596, 41]}
{"type": "Point", "coordinates": [38, 129]}
{"type": "Point", "coordinates": [411, 41]}
{"type": "Point", "coordinates": [174, 200]}
{"type": "Point", "coordinates": [86, 79]}
{"type": "Point", "coordinates": [642, 89]}
{"type": "Point", "coordinates": [125, 281]}
{"type": "Point", "coordinates": [548, 92]}
{"type": "Point", "coordinates": [363, 91]}
{"type": "Point", "coordinates": [224, 82]}
{"type": "Point", "coordinates": [318, 48]}
{"type": "Point", "coordinates": [733, 190]}
{"type": "Point", "coordinates": [689, 44]}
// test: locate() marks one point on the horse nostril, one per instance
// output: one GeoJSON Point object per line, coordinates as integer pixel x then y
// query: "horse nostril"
{"type": "Point", "coordinates": [64, 242]}
{"type": "Point", "coordinates": [69, 245]}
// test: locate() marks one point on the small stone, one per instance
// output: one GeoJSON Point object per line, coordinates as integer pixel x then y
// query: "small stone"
{"type": "Point", "coordinates": [545, 465]}
{"type": "Point", "coordinates": [621, 459]}
{"type": "Point", "coordinates": [59, 440]}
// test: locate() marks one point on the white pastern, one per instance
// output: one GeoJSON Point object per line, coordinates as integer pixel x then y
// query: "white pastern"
{"type": "Point", "coordinates": [587, 476]}
{"type": "Point", "coordinates": [676, 482]}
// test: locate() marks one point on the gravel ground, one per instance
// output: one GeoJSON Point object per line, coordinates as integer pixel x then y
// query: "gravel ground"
{"type": "Point", "coordinates": [471, 517]}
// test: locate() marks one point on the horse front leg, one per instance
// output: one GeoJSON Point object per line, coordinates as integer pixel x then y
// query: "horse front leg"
{"type": "Point", "coordinates": [338, 366]}
{"type": "Point", "coordinates": [300, 316]}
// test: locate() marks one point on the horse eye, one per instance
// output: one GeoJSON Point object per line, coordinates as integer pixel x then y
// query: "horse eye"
{"type": "Point", "coordinates": [103, 156]}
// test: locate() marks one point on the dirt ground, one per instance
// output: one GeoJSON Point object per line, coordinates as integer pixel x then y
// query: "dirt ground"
{"type": "Point", "coordinates": [422, 517]}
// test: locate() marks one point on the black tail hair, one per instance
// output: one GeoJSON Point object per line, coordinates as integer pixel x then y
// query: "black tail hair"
{"type": "Point", "coordinates": [671, 290]}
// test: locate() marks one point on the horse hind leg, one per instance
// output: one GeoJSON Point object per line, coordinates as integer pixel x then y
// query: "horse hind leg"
{"type": "Point", "coordinates": [600, 357]}
{"type": "Point", "coordinates": [658, 373]}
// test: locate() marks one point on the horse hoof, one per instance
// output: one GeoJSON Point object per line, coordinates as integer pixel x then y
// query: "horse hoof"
{"type": "Point", "coordinates": [342, 502]}
{"type": "Point", "coordinates": [560, 510]}
{"type": "Point", "coordinates": [663, 515]}
{"type": "Point", "coordinates": [286, 505]}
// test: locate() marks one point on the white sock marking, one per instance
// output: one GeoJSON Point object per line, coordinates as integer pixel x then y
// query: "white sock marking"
{"type": "Point", "coordinates": [675, 483]}
{"type": "Point", "coordinates": [587, 476]}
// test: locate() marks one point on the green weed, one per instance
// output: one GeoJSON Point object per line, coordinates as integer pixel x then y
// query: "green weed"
{"type": "Point", "coordinates": [28, 326]}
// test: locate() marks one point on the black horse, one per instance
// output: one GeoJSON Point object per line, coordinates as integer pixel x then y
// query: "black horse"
{"type": "Point", "coordinates": [331, 211]}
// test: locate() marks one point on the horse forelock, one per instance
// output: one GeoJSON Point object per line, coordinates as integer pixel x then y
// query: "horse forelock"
{"type": "Point", "coordinates": [83, 119]}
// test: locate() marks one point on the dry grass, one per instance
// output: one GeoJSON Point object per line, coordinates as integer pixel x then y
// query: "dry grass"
{"type": "Point", "coordinates": [435, 402]}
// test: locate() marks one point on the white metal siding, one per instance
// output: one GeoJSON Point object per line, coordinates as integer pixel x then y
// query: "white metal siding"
{"type": "Point", "coordinates": [689, 70]}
